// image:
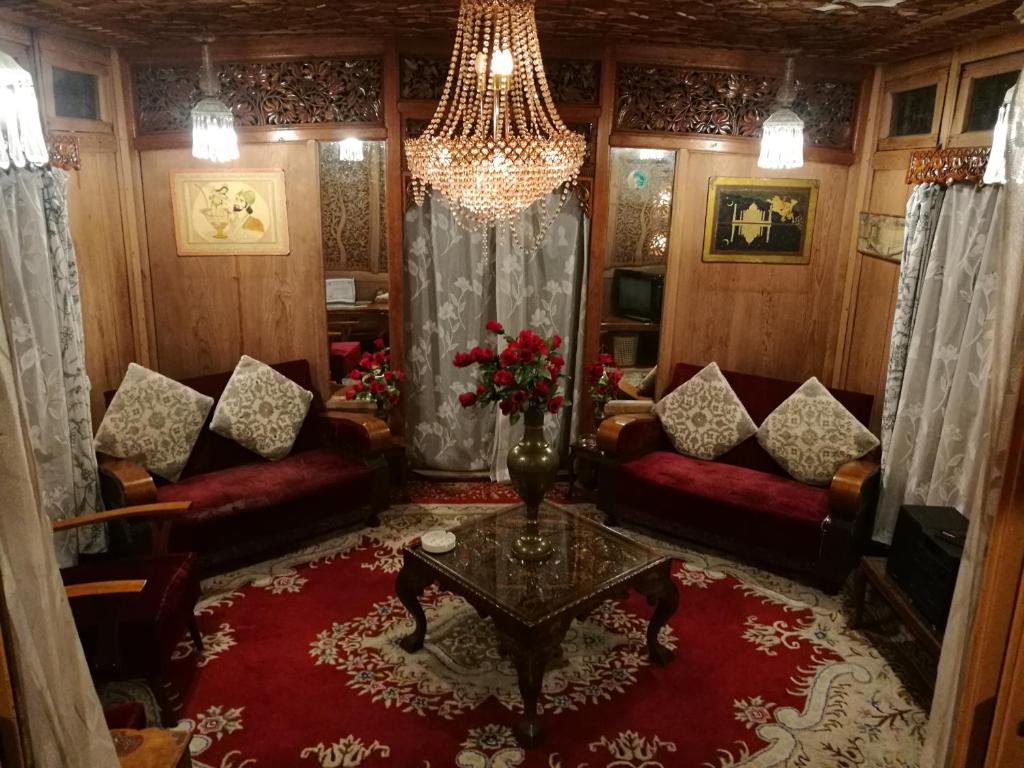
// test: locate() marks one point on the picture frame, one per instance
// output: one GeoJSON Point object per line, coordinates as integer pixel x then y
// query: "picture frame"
{"type": "Point", "coordinates": [880, 236]}
{"type": "Point", "coordinates": [225, 212]}
{"type": "Point", "coordinates": [760, 221]}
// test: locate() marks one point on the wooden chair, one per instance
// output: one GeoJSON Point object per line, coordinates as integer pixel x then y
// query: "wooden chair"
{"type": "Point", "coordinates": [131, 612]}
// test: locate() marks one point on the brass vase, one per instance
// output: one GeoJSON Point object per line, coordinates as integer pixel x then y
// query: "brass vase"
{"type": "Point", "coordinates": [532, 466]}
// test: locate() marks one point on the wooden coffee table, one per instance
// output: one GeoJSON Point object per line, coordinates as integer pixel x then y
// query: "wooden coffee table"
{"type": "Point", "coordinates": [533, 604]}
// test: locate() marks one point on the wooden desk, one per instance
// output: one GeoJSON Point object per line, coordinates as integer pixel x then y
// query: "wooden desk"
{"type": "Point", "coordinates": [616, 324]}
{"type": "Point", "coordinates": [365, 322]}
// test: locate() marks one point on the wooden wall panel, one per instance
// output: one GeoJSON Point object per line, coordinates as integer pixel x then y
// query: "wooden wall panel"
{"type": "Point", "coordinates": [209, 310]}
{"type": "Point", "coordinates": [94, 214]}
{"type": "Point", "coordinates": [771, 320]}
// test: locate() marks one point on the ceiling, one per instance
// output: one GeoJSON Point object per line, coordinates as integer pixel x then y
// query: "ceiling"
{"type": "Point", "coordinates": [846, 29]}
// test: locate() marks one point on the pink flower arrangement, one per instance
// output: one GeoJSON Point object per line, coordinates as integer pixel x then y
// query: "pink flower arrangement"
{"type": "Point", "coordinates": [523, 377]}
{"type": "Point", "coordinates": [603, 380]}
{"type": "Point", "coordinates": [374, 379]}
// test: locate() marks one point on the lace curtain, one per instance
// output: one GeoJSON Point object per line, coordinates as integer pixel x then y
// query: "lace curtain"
{"type": "Point", "coordinates": [39, 286]}
{"type": "Point", "coordinates": [455, 282]}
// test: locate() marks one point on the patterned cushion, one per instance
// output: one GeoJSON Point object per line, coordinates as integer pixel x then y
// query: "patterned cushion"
{"type": "Point", "coordinates": [261, 409]}
{"type": "Point", "coordinates": [154, 420]}
{"type": "Point", "coordinates": [811, 434]}
{"type": "Point", "coordinates": [703, 417]}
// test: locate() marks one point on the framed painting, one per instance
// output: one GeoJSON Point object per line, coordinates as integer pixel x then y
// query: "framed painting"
{"type": "Point", "coordinates": [230, 212]}
{"type": "Point", "coordinates": [881, 236]}
{"type": "Point", "coordinates": [761, 221]}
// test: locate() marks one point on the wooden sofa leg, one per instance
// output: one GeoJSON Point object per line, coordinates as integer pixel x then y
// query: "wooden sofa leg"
{"type": "Point", "coordinates": [195, 634]}
{"type": "Point", "coordinates": [164, 700]}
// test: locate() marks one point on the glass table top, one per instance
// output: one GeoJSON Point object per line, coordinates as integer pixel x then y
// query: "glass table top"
{"type": "Point", "coordinates": [588, 557]}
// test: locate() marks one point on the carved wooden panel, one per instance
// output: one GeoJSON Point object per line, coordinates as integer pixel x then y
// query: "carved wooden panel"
{"type": "Point", "coordinates": [263, 93]}
{"type": "Point", "coordinates": [842, 30]}
{"type": "Point", "coordinates": [674, 100]}
{"type": "Point", "coordinates": [352, 214]}
{"type": "Point", "coordinates": [63, 149]}
{"type": "Point", "coordinates": [947, 166]}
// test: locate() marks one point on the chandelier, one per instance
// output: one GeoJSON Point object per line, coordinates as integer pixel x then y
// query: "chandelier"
{"type": "Point", "coordinates": [496, 143]}
{"type": "Point", "coordinates": [213, 125]}
{"type": "Point", "coordinates": [782, 135]}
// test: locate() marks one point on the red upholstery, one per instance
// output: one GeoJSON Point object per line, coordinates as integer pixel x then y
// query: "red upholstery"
{"type": "Point", "coordinates": [345, 356]}
{"type": "Point", "coordinates": [727, 501]}
{"type": "Point", "coordinates": [150, 623]}
{"type": "Point", "coordinates": [255, 498]}
{"type": "Point", "coordinates": [131, 715]}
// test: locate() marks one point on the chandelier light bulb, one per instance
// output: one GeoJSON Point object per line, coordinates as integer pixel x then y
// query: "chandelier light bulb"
{"type": "Point", "coordinates": [501, 63]}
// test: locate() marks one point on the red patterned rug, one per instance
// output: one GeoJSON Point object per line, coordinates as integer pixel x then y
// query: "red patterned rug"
{"type": "Point", "coordinates": [302, 668]}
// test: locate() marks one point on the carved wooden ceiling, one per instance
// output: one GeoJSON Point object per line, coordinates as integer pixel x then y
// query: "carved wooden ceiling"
{"type": "Point", "coordinates": [847, 31]}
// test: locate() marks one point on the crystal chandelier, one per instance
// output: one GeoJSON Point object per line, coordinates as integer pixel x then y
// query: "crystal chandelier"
{"type": "Point", "coordinates": [213, 125]}
{"type": "Point", "coordinates": [496, 143]}
{"type": "Point", "coordinates": [782, 135]}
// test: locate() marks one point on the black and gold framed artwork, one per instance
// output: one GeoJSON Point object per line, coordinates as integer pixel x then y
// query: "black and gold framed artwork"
{"type": "Point", "coordinates": [761, 221]}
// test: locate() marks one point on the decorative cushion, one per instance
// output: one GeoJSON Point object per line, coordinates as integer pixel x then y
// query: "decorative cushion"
{"type": "Point", "coordinates": [261, 409]}
{"type": "Point", "coordinates": [703, 417]}
{"type": "Point", "coordinates": [646, 385]}
{"type": "Point", "coordinates": [811, 434]}
{"type": "Point", "coordinates": [153, 419]}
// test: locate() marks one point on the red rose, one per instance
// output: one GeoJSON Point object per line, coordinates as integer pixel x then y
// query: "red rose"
{"type": "Point", "coordinates": [350, 395]}
{"type": "Point", "coordinates": [482, 354]}
{"type": "Point", "coordinates": [365, 361]}
{"type": "Point", "coordinates": [357, 387]}
{"type": "Point", "coordinates": [605, 358]}
{"type": "Point", "coordinates": [555, 404]}
{"type": "Point", "coordinates": [495, 327]}
{"type": "Point", "coordinates": [503, 378]}
{"type": "Point", "coordinates": [377, 387]}
{"type": "Point", "coordinates": [462, 360]}
{"type": "Point", "coordinates": [401, 376]}
{"type": "Point", "coordinates": [614, 376]}
{"type": "Point", "coordinates": [507, 406]}
{"type": "Point", "coordinates": [541, 388]}
{"type": "Point", "coordinates": [556, 341]}
{"type": "Point", "coordinates": [388, 376]}
{"type": "Point", "coordinates": [393, 398]}
{"type": "Point", "coordinates": [518, 397]}
{"type": "Point", "coordinates": [378, 357]}
{"type": "Point", "coordinates": [355, 373]}
{"type": "Point", "coordinates": [525, 355]}
{"type": "Point", "coordinates": [509, 356]}
{"type": "Point", "coordinates": [466, 399]}
{"type": "Point", "coordinates": [480, 389]}
{"type": "Point", "coordinates": [379, 343]}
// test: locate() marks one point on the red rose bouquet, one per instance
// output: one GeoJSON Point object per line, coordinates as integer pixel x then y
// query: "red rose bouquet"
{"type": "Point", "coordinates": [603, 382]}
{"type": "Point", "coordinates": [522, 378]}
{"type": "Point", "coordinates": [374, 379]}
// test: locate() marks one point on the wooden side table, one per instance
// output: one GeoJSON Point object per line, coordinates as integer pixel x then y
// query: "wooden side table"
{"type": "Point", "coordinates": [871, 573]}
{"type": "Point", "coordinates": [152, 748]}
{"type": "Point", "coordinates": [585, 460]}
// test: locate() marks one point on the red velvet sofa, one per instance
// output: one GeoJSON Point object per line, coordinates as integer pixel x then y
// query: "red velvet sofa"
{"type": "Point", "coordinates": [742, 502]}
{"type": "Point", "coordinates": [243, 504]}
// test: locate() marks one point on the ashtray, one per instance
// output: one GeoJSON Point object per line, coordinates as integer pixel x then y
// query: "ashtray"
{"type": "Point", "coordinates": [437, 541]}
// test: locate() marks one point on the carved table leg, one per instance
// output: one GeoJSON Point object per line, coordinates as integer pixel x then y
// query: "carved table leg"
{"type": "Point", "coordinates": [660, 590]}
{"type": "Point", "coordinates": [409, 586]}
{"type": "Point", "coordinates": [531, 652]}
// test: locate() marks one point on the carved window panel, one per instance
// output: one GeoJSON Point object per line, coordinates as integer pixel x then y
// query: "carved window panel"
{"type": "Point", "coordinates": [912, 110]}
{"type": "Point", "coordinates": [983, 85]}
{"type": "Point", "coordinates": [305, 92]}
{"type": "Point", "coordinates": [685, 101]}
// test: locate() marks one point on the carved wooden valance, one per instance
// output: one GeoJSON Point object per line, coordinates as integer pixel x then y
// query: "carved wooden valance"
{"type": "Point", "coordinates": [675, 100]}
{"type": "Point", "coordinates": [571, 81]}
{"type": "Point", "coordinates": [263, 93]}
{"type": "Point", "coordinates": [63, 148]}
{"type": "Point", "coordinates": [948, 166]}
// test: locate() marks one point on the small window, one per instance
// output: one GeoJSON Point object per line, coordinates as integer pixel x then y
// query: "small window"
{"type": "Point", "coordinates": [913, 111]}
{"type": "Point", "coordinates": [987, 95]}
{"type": "Point", "coordinates": [76, 94]}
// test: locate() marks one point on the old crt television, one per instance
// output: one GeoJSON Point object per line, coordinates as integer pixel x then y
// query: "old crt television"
{"type": "Point", "coordinates": [637, 294]}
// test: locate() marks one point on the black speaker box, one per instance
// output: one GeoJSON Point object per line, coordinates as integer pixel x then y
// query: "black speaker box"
{"type": "Point", "coordinates": [925, 558]}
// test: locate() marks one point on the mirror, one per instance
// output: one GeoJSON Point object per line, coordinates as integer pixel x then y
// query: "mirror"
{"type": "Point", "coordinates": [640, 219]}
{"type": "Point", "coordinates": [354, 243]}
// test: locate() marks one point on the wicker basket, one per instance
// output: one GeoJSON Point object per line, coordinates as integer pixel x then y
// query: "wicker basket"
{"type": "Point", "coordinates": [624, 349]}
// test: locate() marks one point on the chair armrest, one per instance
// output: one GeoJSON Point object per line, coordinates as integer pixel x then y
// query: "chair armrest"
{"type": "Point", "coordinates": [139, 512]}
{"type": "Point", "coordinates": [366, 434]}
{"type": "Point", "coordinates": [626, 407]}
{"type": "Point", "coordinates": [852, 488]}
{"type": "Point", "coordinates": [132, 484]}
{"type": "Point", "coordinates": [104, 588]}
{"type": "Point", "coordinates": [629, 435]}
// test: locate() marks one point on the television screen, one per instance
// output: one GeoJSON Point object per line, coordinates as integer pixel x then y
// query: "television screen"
{"type": "Point", "coordinates": [637, 294]}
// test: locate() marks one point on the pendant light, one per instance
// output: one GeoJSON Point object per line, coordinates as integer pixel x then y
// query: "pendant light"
{"type": "Point", "coordinates": [213, 125]}
{"type": "Point", "coordinates": [350, 150]}
{"type": "Point", "coordinates": [782, 135]}
{"type": "Point", "coordinates": [21, 134]}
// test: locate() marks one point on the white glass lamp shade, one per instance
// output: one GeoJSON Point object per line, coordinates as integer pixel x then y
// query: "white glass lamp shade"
{"type": "Point", "coordinates": [21, 133]}
{"type": "Point", "coordinates": [782, 141]}
{"type": "Point", "coordinates": [213, 131]}
{"type": "Point", "coordinates": [350, 150]}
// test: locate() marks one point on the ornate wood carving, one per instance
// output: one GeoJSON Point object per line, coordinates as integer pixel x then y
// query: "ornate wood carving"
{"type": "Point", "coordinates": [352, 213]}
{"type": "Point", "coordinates": [572, 81]}
{"type": "Point", "coordinates": [263, 93]}
{"type": "Point", "coordinates": [63, 148]}
{"type": "Point", "coordinates": [422, 78]}
{"type": "Point", "coordinates": [948, 166]}
{"type": "Point", "coordinates": [674, 100]}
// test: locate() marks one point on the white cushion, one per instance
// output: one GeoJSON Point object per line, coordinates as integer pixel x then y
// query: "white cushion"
{"type": "Point", "coordinates": [261, 409]}
{"type": "Point", "coordinates": [811, 434]}
{"type": "Point", "coordinates": [153, 420]}
{"type": "Point", "coordinates": [703, 417]}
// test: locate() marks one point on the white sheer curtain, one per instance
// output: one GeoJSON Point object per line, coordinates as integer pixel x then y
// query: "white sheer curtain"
{"type": "Point", "coordinates": [996, 400]}
{"type": "Point", "coordinates": [455, 282]}
{"type": "Point", "coordinates": [61, 719]}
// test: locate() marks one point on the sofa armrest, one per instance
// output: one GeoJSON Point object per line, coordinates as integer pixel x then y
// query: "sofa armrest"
{"type": "Point", "coordinates": [125, 483]}
{"type": "Point", "coordinates": [854, 487]}
{"type": "Point", "coordinates": [629, 435]}
{"type": "Point", "coordinates": [625, 407]}
{"type": "Point", "coordinates": [363, 433]}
